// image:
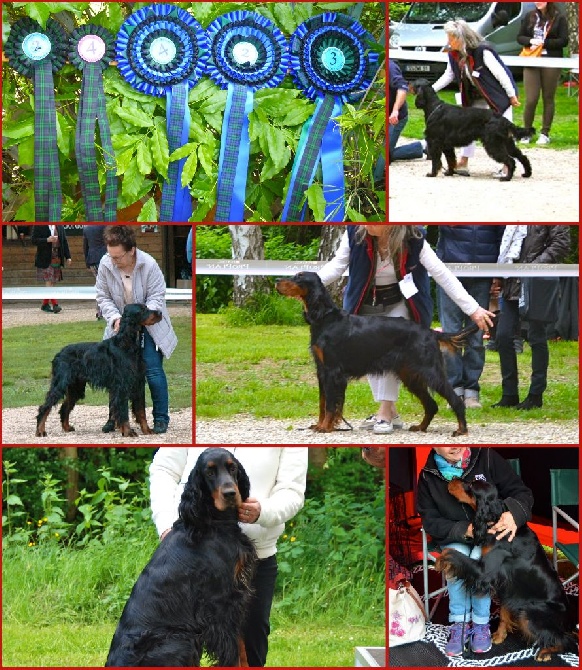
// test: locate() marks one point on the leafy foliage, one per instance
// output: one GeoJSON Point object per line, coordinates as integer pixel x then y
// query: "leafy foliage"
{"type": "Point", "coordinates": [138, 125]}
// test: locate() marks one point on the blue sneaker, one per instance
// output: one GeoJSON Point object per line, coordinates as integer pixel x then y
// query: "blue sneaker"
{"type": "Point", "coordinates": [481, 638]}
{"type": "Point", "coordinates": [457, 640]}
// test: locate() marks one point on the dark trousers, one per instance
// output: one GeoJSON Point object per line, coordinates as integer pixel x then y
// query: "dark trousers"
{"type": "Point", "coordinates": [257, 628]}
{"type": "Point", "coordinates": [540, 356]}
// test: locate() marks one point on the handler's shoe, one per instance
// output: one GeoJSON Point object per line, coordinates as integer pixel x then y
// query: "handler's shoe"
{"type": "Point", "coordinates": [47, 308]}
{"type": "Point", "coordinates": [382, 427]}
{"type": "Point", "coordinates": [480, 638]}
{"type": "Point", "coordinates": [457, 640]}
{"type": "Point", "coordinates": [543, 139]}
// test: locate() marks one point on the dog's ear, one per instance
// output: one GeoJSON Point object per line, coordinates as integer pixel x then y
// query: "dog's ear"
{"type": "Point", "coordinates": [489, 509]}
{"type": "Point", "coordinates": [242, 481]}
{"type": "Point", "coordinates": [193, 498]}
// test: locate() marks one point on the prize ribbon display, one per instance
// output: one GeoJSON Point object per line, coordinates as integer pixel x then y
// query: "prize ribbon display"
{"type": "Point", "coordinates": [37, 54]}
{"type": "Point", "coordinates": [162, 50]}
{"type": "Point", "coordinates": [247, 52]}
{"type": "Point", "coordinates": [330, 61]}
{"type": "Point", "coordinates": [92, 49]}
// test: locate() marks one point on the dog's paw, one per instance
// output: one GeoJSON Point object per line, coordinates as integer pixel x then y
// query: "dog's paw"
{"type": "Point", "coordinates": [417, 429]}
{"type": "Point", "coordinates": [459, 432]}
{"type": "Point", "coordinates": [498, 637]}
{"type": "Point", "coordinates": [431, 174]}
{"type": "Point", "coordinates": [69, 429]}
{"type": "Point", "coordinates": [544, 655]}
{"type": "Point", "coordinates": [41, 433]}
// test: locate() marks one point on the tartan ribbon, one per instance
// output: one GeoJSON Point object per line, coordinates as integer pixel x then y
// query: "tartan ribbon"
{"type": "Point", "coordinates": [247, 52]}
{"type": "Point", "coordinates": [93, 49]}
{"type": "Point", "coordinates": [331, 62]}
{"type": "Point", "coordinates": [162, 51]}
{"type": "Point", "coordinates": [38, 53]}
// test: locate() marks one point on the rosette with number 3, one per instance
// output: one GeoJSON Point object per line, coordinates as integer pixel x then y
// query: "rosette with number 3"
{"type": "Point", "coordinates": [247, 52]}
{"type": "Point", "coordinates": [93, 48]}
{"type": "Point", "coordinates": [330, 61]}
{"type": "Point", "coordinates": [38, 53]}
{"type": "Point", "coordinates": [162, 50]}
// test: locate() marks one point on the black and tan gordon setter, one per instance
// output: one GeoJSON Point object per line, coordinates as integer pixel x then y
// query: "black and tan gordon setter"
{"type": "Point", "coordinates": [115, 365]}
{"type": "Point", "coordinates": [346, 346]}
{"type": "Point", "coordinates": [194, 593]}
{"type": "Point", "coordinates": [530, 593]}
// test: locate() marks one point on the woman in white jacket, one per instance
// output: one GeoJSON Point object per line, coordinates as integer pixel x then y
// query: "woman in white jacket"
{"type": "Point", "coordinates": [277, 476]}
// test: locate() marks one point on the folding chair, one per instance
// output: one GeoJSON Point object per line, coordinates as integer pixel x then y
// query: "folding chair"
{"type": "Point", "coordinates": [564, 491]}
{"type": "Point", "coordinates": [573, 79]}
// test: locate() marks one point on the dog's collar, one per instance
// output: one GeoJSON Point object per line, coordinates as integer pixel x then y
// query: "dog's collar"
{"type": "Point", "coordinates": [433, 111]}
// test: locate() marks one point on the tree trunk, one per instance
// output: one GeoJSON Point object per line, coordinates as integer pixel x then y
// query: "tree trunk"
{"type": "Point", "coordinates": [330, 239]}
{"type": "Point", "coordinates": [70, 455]}
{"type": "Point", "coordinates": [317, 457]}
{"type": "Point", "coordinates": [247, 244]}
{"type": "Point", "coordinates": [572, 14]}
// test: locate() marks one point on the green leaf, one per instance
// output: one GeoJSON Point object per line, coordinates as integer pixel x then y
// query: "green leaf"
{"type": "Point", "coordinates": [121, 141]}
{"type": "Point", "coordinates": [160, 152]}
{"type": "Point", "coordinates": [277, 150]}
{"type": "Point", "coordinates": [13, 500]}
{"type": "Point", "coordinates": [144, 158]}
{"type": "Point", "coordinates": [20, 129]}
{"type": "Point", "coordinates": [316, 201]}
{"type": "Point", "coordinates": [132, 180]}
{"type": "Point", "coordinates": [148, 212]}
{"type": "Point", "coordinates": [284, 16]}
{"type": "Point", "coordinates": [26, 152]}
{"type": "Point", "coordinates": [63, 135]}
{"type": "Point", "coordinates": [124, 160]}
{"type": "Point", "coordinates": [297, 115]}
{"type": "Point", "coordinates": [183, 151]}
{"type": "Point", "coordinates": [189, 170]}
{"type": "Point", "coordinates": [39, 11]}
{"type": "Point", "coordinates": [206, 157]}
{"type": "Point", "coordinates": [134, 116]}
{"type": "Point", "coordinates": [26, 211]}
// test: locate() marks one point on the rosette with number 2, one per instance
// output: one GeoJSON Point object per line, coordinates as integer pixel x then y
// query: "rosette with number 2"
{"type": "Point", "coordinates": [331, 61]}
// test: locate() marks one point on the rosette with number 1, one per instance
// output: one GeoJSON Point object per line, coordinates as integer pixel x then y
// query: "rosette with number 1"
{"type": "Point", "coordinates": [162, 50]}
{"type": "Point", "coordinates": [37, 54]}
{"type": "Point", "coordinates": [330, 61]}
{"type": "Point", "coordinates": [247, 52]}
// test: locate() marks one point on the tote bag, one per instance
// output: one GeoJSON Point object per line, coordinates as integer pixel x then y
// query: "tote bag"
{"type": "Point", "coordinates": [540, 299]}
{"type": "Point", "coordinates": [405, 615]}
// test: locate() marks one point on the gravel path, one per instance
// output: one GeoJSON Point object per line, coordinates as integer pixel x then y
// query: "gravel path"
{"type": "Point", "coordinates": [244, 429]}
{"type": "Point", "coordinates": [551, 195]}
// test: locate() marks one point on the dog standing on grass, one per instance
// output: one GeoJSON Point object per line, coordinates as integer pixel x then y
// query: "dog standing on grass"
{"type": "Point", "coordinates": [448, 126]}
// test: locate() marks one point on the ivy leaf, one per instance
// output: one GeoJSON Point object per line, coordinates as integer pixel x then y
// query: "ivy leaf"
{"type": "Point", "coordinates": [160, 152]}
{"type": "Point", "coordinates": [148, 212]}
{"type": "Point", "coordinates": [144, 158]}
{"type": "Point", "coordinates": [189, 169]}
{"type": "Point", "coordinates": [316, 201]}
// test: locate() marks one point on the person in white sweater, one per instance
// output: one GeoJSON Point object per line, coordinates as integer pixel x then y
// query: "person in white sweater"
{"type": "Point", "coordinates": [278, 478]}
{"type": "Point", "coordinates": [388, 266]}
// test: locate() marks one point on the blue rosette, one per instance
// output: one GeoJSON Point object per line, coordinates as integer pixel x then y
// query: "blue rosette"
{"type": "Point", "coordinates": [331, 62]}
{"type": "Point", "coordinates": [162, 50]}
{"type": "Point", "coordinates": [92, 50]}
{"type": "Point", "coordinates": [247, 52]}
{"type": "Point", "coordinates": [37, 53]}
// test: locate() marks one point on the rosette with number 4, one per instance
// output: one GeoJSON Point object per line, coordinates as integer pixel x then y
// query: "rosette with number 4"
{"type": "Point", "coordinates": [38, 53]}
{"type": "Point", "coordinates": [247, 52]}
{"type": "Point", "coordinates": [331, 60]}
{"type": "Point", "coordinates": [162, 50]}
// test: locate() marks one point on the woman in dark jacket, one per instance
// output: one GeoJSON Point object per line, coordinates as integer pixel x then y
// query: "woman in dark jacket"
{"type": "Point", "coordinates": [94, 249]}
{"type": "Point", "coordinates": [449, 523]}
{"type": "Point", "coordinates": [542, 244]}
{"type": "Point", "coordinates": [543, 25]}
{"type": "Point", "coordinates": [52, 251]}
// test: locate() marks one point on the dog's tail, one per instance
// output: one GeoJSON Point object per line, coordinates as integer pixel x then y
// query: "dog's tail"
{"type": "Point", "coordinates": [455, 341]}
{"type": "Point", "coordinates": [517, 132]}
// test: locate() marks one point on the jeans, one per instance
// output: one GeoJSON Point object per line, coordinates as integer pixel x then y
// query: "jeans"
{"type": "Point", "coordinates": [156, 378]}
{"type": "Point", "coordinates": [406, 151]}
{"type": "Point", "coordinates": [257, 627]}
{"type": "Point", "coordinates": [464, 606]}
{"type": "Point", "coordinates": [507, 326]}
{"type": "Point", "coordinates": [464, 368]}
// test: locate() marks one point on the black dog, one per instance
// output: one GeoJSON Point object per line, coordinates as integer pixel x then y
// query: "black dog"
{"type": "Point", "coordinates": [115, 365]}
{"type": "Point", "coordinates": [345, 346]}
{"type": "Point", "coordinates": [194, 592]}
{"type": "Point", "coordinates": [449, 126]}
{"type": "Point", "coordinates": [530, 593]}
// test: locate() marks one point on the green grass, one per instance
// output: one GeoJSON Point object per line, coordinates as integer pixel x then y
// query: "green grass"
{"type": "Point", "coordinates": [564, 133]}
{"type": "Point", "coordinates": [27, 352]}
{"type": "Point", "coordinates": [267, 371]}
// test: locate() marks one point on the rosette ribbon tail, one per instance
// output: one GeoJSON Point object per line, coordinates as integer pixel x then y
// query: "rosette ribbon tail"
{"type": "Point", "coordinates": [332, 163]}
{"type": "Point", "coordinates": [48, 197]}
{"type": "Point", "coordinates": [234, 154]}
{"type": "Point", "coordinates": [307, 156]}
{"type": "Point", "coordinates": [176, 199]}
{"type": "Point", "coordinates": [92, 112]}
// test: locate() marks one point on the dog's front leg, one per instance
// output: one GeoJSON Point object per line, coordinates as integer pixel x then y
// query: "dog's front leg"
{"type": "Point", "coordinates": [451, 161]}
{"type": "Point", "coordinates": [139, 410]}
{"type": "Point", "coordinates": [335, 392]}
{"type": "Point", "coordinates": [435, 152]}
{"type": "Point", "coordinates": [317, 426]}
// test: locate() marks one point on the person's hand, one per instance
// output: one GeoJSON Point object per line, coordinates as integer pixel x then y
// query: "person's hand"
{"type": "Point", "coordinates": [52, 238]}
{"type": "Point", "coordinates": [249, 511]}
{"type": "Point", "coordinates": [505, 526]}
{"type": "Point", "coordinates": [393, 118]}
{"type": "Point", "coordinates": [116, 325]}
{"type": "Point", "coordinates": [469, 532]}
{"type": "Point", "coordinates": [69, 261]}
{"type": "Point", "coordinates": [514, 101]}
{"type": "Point", "coordinates": [536, 41]}
{"type": "Point", "coordinates": [482, 317]}
{"type": "Point", "coordinates": [163, 535]}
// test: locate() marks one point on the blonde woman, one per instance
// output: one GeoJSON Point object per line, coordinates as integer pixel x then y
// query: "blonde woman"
{"type": "Point", "coordinates": [388, 275]}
